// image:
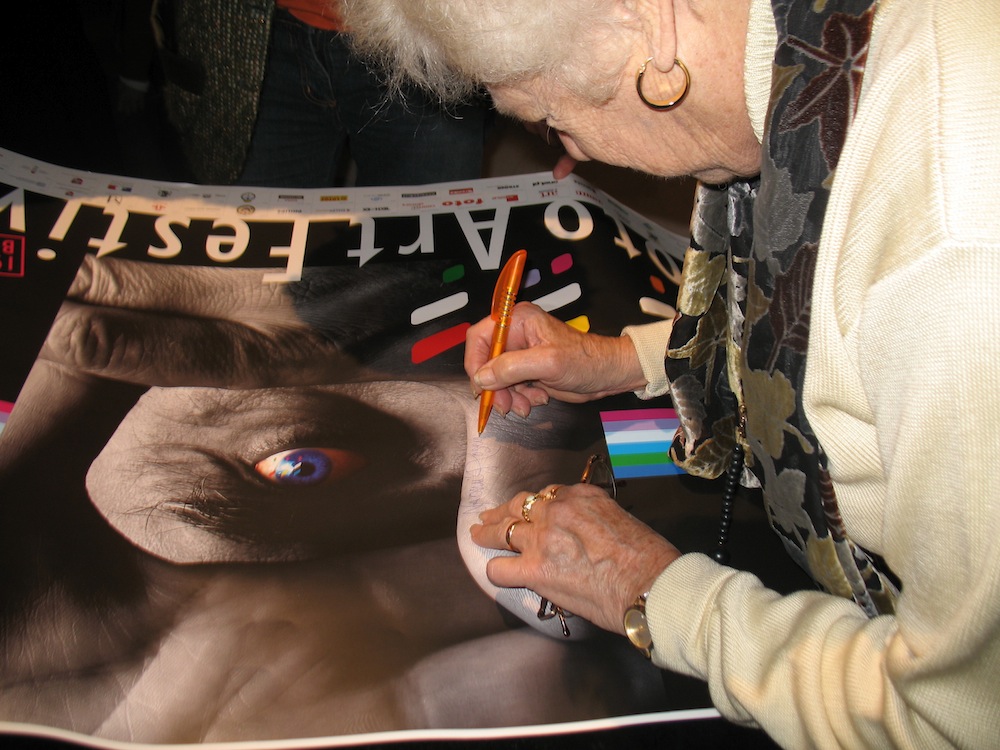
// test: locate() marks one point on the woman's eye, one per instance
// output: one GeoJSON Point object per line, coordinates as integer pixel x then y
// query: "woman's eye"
{"type": "Point", "coordinates": [300, 467]}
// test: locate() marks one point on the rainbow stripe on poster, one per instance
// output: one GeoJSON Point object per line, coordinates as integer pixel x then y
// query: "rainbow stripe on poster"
{"type": "Point", "coordinates": [639, 442]}
{"type": "Point", "coordinates": [5, 409]}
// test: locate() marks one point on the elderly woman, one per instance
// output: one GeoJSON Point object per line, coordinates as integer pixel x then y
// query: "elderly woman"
{"type": "Point", "coordinates": [836, 343]}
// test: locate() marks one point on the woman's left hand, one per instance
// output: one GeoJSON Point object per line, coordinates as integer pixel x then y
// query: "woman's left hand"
{"type": "Point", "coordinates": [580, 550]}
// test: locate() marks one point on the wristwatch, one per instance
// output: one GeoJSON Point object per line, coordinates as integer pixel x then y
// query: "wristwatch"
{"type": "Point", "coordinates": [636, 626]}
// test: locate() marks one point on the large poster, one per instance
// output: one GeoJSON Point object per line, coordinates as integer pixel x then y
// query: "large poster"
{"type": "Point", "coordinates": [238, 459]}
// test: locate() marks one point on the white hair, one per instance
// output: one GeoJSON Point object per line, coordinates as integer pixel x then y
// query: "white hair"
{"type": "Point", "coordinates": [453, 48]}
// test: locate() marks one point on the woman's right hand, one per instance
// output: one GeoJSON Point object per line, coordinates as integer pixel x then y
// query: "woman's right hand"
{"type": "Point", "coordinates": [546, 358]}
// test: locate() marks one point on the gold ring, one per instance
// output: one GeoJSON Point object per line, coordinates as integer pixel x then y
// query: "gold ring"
{"type": "Point", "coordinates": [550, 494]}
{"type": "Point", "coordinates": [507, 535]}
{"type": "Point", "coordinates": [526, 506]}
{"type": "Point", "coordinates": [536, 497]}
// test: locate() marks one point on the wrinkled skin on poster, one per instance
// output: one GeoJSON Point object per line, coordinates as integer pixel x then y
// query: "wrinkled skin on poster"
{"type": "Point", "coordinates": [186, 596]}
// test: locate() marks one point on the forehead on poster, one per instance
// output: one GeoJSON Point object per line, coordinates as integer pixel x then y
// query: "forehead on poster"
{"type": "Point", "coordinates": [245, 443]}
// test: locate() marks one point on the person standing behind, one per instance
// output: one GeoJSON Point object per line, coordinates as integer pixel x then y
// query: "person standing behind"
{"type": "Point", "coordinates": [319, 99]}
{"type": "Point", "coordinates": [267, 93]}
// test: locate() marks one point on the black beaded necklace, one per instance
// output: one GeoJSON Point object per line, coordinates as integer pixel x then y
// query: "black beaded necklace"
{"type": "Point", "coordinates": [721, 553]}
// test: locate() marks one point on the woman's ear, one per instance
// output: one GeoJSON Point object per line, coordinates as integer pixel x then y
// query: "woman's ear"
{"type": "Point", "coordinates": [656, 20]}
{"type": "Point", "coordinates": [661, 23]}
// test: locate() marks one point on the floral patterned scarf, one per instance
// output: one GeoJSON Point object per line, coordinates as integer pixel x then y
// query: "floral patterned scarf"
{"type": "Point", "coordinates": [737, 352]}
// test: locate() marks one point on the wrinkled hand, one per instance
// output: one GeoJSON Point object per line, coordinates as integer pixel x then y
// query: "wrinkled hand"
{"type": "Point", "coordinates": [581, 551]}
{"type": "Point", "coordinates": [545, 359]}
{"type": "Point", "coordinates": [175, 325]}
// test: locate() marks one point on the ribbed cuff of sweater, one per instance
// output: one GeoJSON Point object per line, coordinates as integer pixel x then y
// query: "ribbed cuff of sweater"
{"type": "Point", "coordinates": [650, 343]}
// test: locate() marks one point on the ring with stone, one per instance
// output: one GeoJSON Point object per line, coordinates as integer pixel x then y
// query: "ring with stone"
{"type": "Point", "coordinates": [526, 506]}
{"type": "Point", "coordinates": [536, 497]}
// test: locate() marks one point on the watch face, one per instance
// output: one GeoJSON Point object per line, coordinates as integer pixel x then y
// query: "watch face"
{"type": "Point", "coordinates": [637, 629]}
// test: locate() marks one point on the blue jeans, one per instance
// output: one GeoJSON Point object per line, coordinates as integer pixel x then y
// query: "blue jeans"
{"type": "Point", "coordinates": [318, 99]}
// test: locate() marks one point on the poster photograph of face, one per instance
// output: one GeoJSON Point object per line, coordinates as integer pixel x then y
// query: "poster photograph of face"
{"type": "Point", "coordinates": [239, 459]}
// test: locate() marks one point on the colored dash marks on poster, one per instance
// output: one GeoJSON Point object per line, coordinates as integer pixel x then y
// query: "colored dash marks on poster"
{"type": "Point", "coordinates": [639, 442]}
{"type": "Point", "coordinates": [440, 342]}
{"type": "Point", "coordinates": [437, 343]}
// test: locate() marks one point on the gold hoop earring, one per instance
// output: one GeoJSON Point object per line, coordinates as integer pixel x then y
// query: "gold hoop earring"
{"type": "Point", "coordinates": [662, 106]}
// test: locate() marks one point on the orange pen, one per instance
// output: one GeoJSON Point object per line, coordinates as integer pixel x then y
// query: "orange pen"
{"type": "Point", "coordinates": [504, 296]}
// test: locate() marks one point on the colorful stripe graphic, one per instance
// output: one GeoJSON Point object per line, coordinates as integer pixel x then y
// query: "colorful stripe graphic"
{"type": "Point", "coordinates": [5, 409]}
{"type": "Point", "coordinates": [639, 442]}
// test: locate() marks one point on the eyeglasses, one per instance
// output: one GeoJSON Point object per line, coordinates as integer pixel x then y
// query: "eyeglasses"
{"type": "Point", "coordinates": [599, 473]}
